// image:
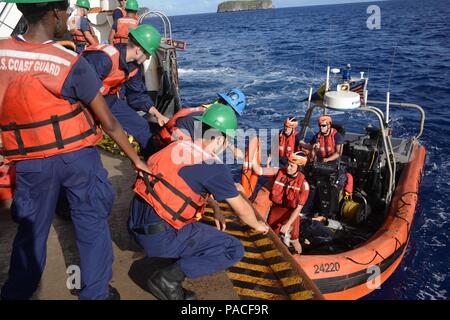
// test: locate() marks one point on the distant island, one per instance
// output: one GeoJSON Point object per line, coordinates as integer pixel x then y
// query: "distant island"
{"type": "Point", "coordinates": [230, 6]}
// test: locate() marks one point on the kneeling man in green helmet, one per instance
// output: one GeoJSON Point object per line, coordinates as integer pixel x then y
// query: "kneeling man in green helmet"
{"type": "Point", "coordinates": [119, 68]}
{"type": "Point", "coordinates": [169, 202]}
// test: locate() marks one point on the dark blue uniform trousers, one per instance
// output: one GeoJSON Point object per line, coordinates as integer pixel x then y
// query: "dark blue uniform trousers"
{"type": "Point", "coordinates": [130, 120]}
{"type": "Point", "coordinates": [90, 196]}
{"type": "Point", "coordinates": [200, 249]}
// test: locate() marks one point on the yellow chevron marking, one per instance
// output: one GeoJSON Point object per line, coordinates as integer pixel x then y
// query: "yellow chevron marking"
{"type": "Point", "coordinates": [259, 294]}
{"type": "Point", "coordinates": [254, 267]}
{"type": "Point", "coordinates": [302, 295]}
{"type": "Point", "coordinates": [253, 280]}
{"type": "Point", "coordinates": [264, 255]}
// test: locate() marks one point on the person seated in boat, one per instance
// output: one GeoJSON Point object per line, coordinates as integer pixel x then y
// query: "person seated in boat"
{"type": "Point", "coordinates": [289, 140]}
{"type": "Point", "coordinates": [182, 125]}
{"type": "Point", "coordinates": [327, 144]}
{"type": "Point", "coordinates": [79, 26]}
{"type": "Point", "coordinates": [119, 31]}
{"type": "Point", "coordinates": [326, 147]}
{"type": "Point", "coordinates": [289, 194]}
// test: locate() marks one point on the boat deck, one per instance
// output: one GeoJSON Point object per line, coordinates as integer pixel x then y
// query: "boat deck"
{"type": "Point", "coordinates": [267, 270]}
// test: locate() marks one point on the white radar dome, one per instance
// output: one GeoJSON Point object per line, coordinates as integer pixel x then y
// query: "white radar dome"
{"type": "Point", "coordinates": [342, 100]}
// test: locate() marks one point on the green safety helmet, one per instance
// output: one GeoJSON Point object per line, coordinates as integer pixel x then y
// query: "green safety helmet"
{"type": "Point", "coordinates": [83, 4]}
{"type": "Point", "coordinates": [147, 37]}
{"type": "Point", "coordinates": [132, 5]}
{"type": "Point", "coordinates": [220, 117]}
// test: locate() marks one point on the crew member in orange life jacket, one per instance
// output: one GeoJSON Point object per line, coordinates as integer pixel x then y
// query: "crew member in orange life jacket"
{"type": "Point", "coordinates": [327, 145]}
{"type": "Point", "coordinates": [79, 26]}
{"type": "Point", "coordinates": [120, 11]}
{"type": "Point", "coordinates": [289, 194]}
{"type": "Point", "coordinates": [182, 125]}
{"type": "Point", "coordinates": [47, 94]}
{"type": "Point", "coordinates": [289, 140]}
{"type": "Point", "coordinates": [120, 67]}
{"type": "Point", "coordinates": [169, 202]}
{"type": "Point", "coordinates": [119, 31]}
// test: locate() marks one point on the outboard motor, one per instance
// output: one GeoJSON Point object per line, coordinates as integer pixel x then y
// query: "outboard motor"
{"type": "Point", "coordinates": [327, 191]}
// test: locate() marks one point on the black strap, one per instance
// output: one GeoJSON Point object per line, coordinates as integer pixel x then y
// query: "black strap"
{"type": "Point", "coordinates": [89, 119]}
{"type": "Point", "coordinates": [151, 229]}
{"type": "Point", "coordinates": [57, 131]}
{"type": "Point", "coordinates": [159, 178]}
{"type": "Point", "coordinates": [49, 145]}
{"type": "Point", "coordinates": [54, 121]}
{"type": "Point", "coordinates": [7, 185]}
{"type": "Point", "coordinates": [176, 215]}
{"type": "Point", "coordinates": [13, 126]}
{"type": "Point", "coordinates": [19, 141]}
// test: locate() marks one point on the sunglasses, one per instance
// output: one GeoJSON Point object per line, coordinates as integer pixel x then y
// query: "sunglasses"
{"type": "Point", "coordinates": [323, 125]}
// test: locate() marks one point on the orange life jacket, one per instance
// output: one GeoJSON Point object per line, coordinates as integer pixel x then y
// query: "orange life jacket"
{"type": "Point", "coordinates": [286, 191]}
{"type": "Point", "coordinates": [35, 120]}
{"type": "Point", "coordinates": [169, 195]}
{"type": "Point", "coordinates": [170, 132]}
{"type": "Point", "coordinates": [121, 35]}
{"type": "Point", "coordinates": [77, 35]}
{"type": "Point", "coordinates": [287, 144]}
{"type": "Point", "coordinates": [327, 144]}
{"type": "Point", "coordinates": [124, 13]}
{"type": "Point", "coordinates": [116, 77]}
{"type": "Point", "coordinates": [7, 181]}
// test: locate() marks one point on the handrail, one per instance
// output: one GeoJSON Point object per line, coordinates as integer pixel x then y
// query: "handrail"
{"type": "Point", "coordinates": [388, 150]}
{"type": "Point", "coordinates": [406, 105]}
{"type": "Point", "coordinates": [165, 19]}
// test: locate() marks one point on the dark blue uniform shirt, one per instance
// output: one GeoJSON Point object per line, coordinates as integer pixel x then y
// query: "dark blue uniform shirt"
{"type": "Point", "coordinates": [84, 24]}
{"type": "Point", "coordinates": [188, 123]}
{"type": "Point", "coordinates": [117, 14]}
{"type": "Point", "coordinates": [134, 89]}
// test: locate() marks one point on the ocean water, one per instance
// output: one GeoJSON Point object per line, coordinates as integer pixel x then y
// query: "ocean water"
{"type": "Point", "coordinates": [275, 55]}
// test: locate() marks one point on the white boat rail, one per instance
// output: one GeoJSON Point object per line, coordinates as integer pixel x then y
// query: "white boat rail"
{"type": "Point", "coordinates": [165, 19]}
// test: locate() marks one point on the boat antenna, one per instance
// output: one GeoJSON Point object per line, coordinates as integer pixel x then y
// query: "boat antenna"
{"type": "Point", "coordinates": [327, 84]}
{"type": "Point", "coordinates": [312, 80]}
{"type": "Point", "coordinates": [388, 94]}
{"type": "Point", "coordinates": [366, 91]}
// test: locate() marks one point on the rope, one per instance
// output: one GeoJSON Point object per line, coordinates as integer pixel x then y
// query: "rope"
{"type": "Point", "coordinates": [365, 264]}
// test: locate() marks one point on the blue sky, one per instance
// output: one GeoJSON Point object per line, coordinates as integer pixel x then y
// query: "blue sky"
{"type": "Point", "coordinates": [177, 7]}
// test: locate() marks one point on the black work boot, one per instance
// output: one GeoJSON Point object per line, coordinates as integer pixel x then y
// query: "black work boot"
{"type": "Point", "coordinates": [189, 295]}
{"type": "Point", "coordinates": [113, 294]}
{"type": "Point", "coordinates": [165, 284]}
